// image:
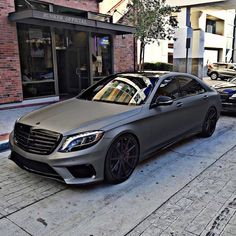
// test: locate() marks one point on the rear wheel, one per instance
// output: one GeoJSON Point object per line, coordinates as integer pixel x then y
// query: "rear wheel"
{"type": "Point", "coordinates": [209, 124]}
{"type": "Point", "coordinates": [122, 158]}
{"type": "Point", "coordinates": [214, 76]}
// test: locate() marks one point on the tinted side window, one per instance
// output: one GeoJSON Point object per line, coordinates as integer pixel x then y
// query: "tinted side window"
{"type": "Point", "coordinates": [190, 87]}
{"type": "Point", "coordinates": [168, 87]}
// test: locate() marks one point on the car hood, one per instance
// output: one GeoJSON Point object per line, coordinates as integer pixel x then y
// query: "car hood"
{"type": "Point", "coordinates": [77, 115]}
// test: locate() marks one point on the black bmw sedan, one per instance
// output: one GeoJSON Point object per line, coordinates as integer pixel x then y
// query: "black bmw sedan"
{"type": "Point", "coordinates": [227, 91]}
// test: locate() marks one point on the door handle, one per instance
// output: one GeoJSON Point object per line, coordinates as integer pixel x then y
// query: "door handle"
{"type": "Point", "coordinates": [205, 96]}
{"type": "Point", "coordinates": [179, 104]}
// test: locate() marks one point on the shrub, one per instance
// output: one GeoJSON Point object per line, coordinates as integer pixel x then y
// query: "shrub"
{"type": "Point", "coordinates": [160, 66]}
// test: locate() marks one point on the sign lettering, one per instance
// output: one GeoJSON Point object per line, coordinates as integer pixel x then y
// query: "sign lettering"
{"type": "Point", "coordinates": [65, 19]}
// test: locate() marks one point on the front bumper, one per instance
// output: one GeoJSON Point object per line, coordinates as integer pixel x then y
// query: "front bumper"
{"type": "Point", "coordinates": [80, 167]}
{"type": "Point", "coordinates": [228, 107]}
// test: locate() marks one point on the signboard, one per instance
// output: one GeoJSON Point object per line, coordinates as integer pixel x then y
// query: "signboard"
{"type": "Point", "coordinates": [64, 18]}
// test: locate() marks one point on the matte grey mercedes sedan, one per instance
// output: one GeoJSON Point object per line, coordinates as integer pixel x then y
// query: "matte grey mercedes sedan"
{"type": "Point", "coordinates": [119, 121]}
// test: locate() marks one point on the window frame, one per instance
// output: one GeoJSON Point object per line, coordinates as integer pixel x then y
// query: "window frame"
{"type": "Point", "coordinates": [186, 96]}
{"type": "Point", "coordinates": [155, 95]}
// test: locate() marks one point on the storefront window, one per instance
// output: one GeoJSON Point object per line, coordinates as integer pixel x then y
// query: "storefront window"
{"type": "Point", "coordinates": [101, 56]}
{"type": "Point", "coordinates": [36, 61]}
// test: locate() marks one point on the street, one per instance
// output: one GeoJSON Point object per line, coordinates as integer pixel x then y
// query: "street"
{"type": "Point", "coordinates": [185, 178]}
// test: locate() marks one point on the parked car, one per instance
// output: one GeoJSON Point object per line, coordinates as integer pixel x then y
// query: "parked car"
{"type": "Point", "coordinates": [106, 130]}
{"type": "Point", "coordinates": [227, 91]}
{"type": "Point", "coordinates": [221, 70]}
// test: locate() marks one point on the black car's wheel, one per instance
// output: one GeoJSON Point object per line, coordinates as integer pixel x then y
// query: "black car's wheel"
{"type": "Point", "coordinates": [121, 159]}
{"type": "Point", "coordinates": [209, 124]}
{"type": "Point", "coordinates": [214, 76]}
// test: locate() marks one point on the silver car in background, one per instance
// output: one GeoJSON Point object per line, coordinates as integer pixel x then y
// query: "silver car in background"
{"type": "Point", "coordinates": [110, 127]}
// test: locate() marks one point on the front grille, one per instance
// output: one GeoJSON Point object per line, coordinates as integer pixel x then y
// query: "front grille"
{"type": "Point", "coordinates": [34, 140]}
{"type": "Point", "coordinates": [224, 97]}
{"type": "Point", "coordinates": [34, 166]}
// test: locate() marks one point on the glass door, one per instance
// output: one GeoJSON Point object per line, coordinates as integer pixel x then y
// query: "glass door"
{"type": "Point", "coordinates": [72, 61]}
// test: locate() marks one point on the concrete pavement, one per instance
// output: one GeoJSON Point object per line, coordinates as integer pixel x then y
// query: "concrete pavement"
{"type": "Point", "coordinates": [187, 190]}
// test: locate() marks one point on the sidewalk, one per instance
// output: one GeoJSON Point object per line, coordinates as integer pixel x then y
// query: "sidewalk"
{"type": "Point", "coordinates": [187, 190]}
{"type": "Point", "coordinates": [205, 207]}
{"type": "Point", "coordinates": [7, 121]}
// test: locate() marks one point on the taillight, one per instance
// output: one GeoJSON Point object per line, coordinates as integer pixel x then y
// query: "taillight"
{"type": "Point", "coordinates": [210, 66]}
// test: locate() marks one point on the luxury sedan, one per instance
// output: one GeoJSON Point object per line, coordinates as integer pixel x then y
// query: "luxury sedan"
{"type": "Point", "coordinates": [227, 91]}
{"type": "Point", "coordinates": [105, 131]}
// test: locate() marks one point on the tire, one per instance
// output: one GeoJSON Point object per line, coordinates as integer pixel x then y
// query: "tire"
{"type": "Point", "coordinates": [214, 76]}
{"type": "Point", "coordinates": [122, 158]}
{"type": "Point", "coordinates": [209, 124]}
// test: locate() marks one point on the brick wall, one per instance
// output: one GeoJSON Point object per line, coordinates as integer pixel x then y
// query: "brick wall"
{"type": "Point", "coordinates": [10, 76]}
{"type": "Point", "coordinates": [10, 82]}
{"type": "Point", "coordinates": [87, 5]}
{"type": "Point", "coordinates": [124, 53]}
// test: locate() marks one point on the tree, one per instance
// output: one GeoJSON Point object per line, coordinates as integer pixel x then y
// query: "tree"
{"type": "Point", "coordinates": [153, 20]}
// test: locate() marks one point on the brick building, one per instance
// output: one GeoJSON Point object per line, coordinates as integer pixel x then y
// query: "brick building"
{"type": "Point", "coordinates": [54, 48]}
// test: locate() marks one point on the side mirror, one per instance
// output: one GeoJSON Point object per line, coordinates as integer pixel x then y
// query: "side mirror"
{"type": "Point", "coordinates": [162, 101]}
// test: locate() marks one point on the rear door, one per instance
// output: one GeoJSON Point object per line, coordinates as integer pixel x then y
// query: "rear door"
{"type": "Point", "coordinates": [231, 72]}
{"type": "Point", "coordinates": [223, 70]}
{"type": "Point", "coordinates": [195, 102]}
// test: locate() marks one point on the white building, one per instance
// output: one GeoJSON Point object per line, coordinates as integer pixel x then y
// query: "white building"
{"type": "Point", "coordinates": [208, 25]}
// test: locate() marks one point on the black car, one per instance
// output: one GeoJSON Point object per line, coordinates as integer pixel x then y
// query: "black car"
{"type": "Point", "coordinates": [227, 91]}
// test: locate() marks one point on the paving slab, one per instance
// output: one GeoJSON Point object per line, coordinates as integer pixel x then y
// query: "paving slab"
{"type": "Point", "coordinates": [115, 210]}
{"type": "Point", "coordinates": [7, 228]}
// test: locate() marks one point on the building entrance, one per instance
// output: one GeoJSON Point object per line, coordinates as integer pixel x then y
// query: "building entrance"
{"type": "Point", "coordinates": [72, 62]}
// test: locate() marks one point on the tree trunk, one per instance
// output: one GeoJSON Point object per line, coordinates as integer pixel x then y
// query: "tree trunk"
{"type": "Point", "coordinates": [141, 56]}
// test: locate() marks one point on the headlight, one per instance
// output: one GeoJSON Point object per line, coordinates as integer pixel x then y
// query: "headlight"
{"type": "Point", "coordinates": [81, 141]}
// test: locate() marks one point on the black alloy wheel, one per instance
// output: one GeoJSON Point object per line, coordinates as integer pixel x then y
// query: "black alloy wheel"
{"type": "Point", "coordinates": [122, 158]}
{"type": "Point", "coordinates": [209, 124]}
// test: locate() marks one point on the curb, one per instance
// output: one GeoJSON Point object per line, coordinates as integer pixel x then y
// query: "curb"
{"type": "Point", "coordinates": [4, 146]}
{"type": "Point", "coordinates": [4, 143]}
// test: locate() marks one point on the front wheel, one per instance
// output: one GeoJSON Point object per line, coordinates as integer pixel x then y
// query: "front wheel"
{"type": "Point", "coordinates": [122, 158]}
{"type": "Point", "coordinates": [209, 124]}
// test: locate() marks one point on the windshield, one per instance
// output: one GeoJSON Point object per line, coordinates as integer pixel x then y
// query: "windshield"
{"type": "Point", "coordinates": [127, 89]}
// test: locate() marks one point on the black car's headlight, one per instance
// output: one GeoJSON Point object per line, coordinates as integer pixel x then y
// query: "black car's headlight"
{"type": "Point", "coordinates": [81, 141]}
{"type": "Point", "coordinates": [233, 97]}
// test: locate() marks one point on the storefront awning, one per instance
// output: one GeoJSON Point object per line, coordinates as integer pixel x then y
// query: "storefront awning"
{"type": "Point", "coordinates": [66, 21]}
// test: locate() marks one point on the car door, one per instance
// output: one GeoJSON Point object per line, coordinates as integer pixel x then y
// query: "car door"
{"type": "Point", "coordinates": [231, 72]}
{"type": "Point", "coordinates": [223, 70]}
{"type": "Point", "coordinates": [195, 102]}
{"type": "Point", "coordinates": [165, 122]}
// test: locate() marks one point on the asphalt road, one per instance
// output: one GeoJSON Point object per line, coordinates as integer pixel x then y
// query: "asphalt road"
{"type": "Point", "coordinates": [31, 205]}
